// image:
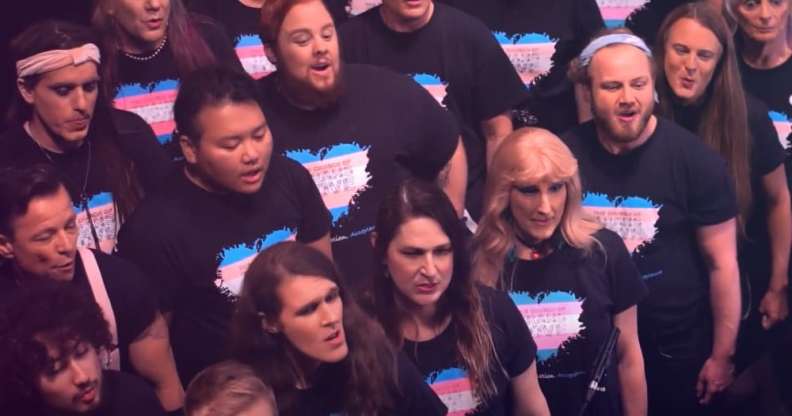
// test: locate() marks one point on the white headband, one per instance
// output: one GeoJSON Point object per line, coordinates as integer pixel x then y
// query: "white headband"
{"type": "Point", "coordinates": [55, 59]}
{"type": "Point", "coordinates": [612, 39]}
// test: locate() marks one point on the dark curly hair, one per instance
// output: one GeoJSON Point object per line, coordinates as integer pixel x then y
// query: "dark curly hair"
{"type": "Point", "coordinates": [61, 314]}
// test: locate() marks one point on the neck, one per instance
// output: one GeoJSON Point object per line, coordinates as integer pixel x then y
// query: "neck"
{"type": "Point", "coordinates": [134, 46]}
{"type": "Point", "coordinates": [304, 368]}
{"type": "Point", "coordinates": [422, 323]}
{"type": "Point", "coordinates": [528, 250]}
{"type": "Point", "coordinates": [398, 24]}
{"type": "Point", "coordinates": [199, 180]}
{"type": "Point", "coordinates": [766, 55]}
{"type": "Point", "coordinates": [618, 147]}
{"type": "Point", "coordinates": [45, 138]}
{"type": "Point", "coordinates": [256, 4]}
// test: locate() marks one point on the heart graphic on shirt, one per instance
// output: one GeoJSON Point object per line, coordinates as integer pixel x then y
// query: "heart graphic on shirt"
{"type": "Point", "coordinates": [453, 387]}
{"type": "Point", "coordinates": [356, 7]}
{"type": "Point", "coordinates": [153, 103]}
{"type": "Point", "coordinates": [339, 172]}
{"type": "Point", "coordinates": [633, 218]}
{"type": "Point", "coordinates": [103, 221]}
{"type": "Point", "coordinates": [234, 260]}
{"type": "Point", "coordinates": [531, 54]}
{"type": "Point", "coordinates": [616, 12]}
{"type": "Point", "coordinates": [250, 52]}
{"type": "Point", "coordinates": [553, 317]}
{"type": "Point", "coordinates": [434, 84]}
{"type": "Point", "coordinates": [783, 127]}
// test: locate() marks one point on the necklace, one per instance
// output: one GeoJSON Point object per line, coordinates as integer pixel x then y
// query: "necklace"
{"type": "Point", "coordinates": [83, 195]}
{"type": "Point", "coordinates": [150, 56]}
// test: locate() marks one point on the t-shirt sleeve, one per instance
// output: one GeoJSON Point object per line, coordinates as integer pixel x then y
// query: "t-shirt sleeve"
{"type": "Point", "coordinates": [626, 286]}
{"type": "Point", "coordinates": [430, 133]}
{"type": "Point", "coordinates": [711, 196]}
{"type": "Point", "coordinates": [497, 86]}
{"type": "Point", "coordinates": [134, 304]}
{"type": "Point", "coordinates": [767, 153]}
{"type": "Point", "coordinates": [519, 349]}
{"type": "Point", "coordinates": [138, 142]}
{"type": "Point", "coordinates": [417, 398]}
{"type": "Point", "coordinates": [315, 221]}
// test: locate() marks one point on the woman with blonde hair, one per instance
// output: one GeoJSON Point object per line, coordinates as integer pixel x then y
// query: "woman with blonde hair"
{"type": "Point", "coordinates": [572, 280]}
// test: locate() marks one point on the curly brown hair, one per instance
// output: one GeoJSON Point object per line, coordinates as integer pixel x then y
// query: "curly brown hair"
{"type": "Point", "coordinates": [59, 313]}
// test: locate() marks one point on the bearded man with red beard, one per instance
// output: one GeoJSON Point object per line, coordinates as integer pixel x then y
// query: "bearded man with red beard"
{"type": "Point", "coordinates": [360, 130]}
{"type": "Point", "coordinates": [673, 203]}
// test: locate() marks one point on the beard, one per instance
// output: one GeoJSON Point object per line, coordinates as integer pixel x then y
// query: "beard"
{"type": "Point", "coordinates": [304, 94]}
{"type": "Point", "coordinates": [617, 131]}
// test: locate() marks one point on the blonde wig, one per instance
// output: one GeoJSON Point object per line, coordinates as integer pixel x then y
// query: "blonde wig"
{"type": "Point", "coordinates": [527, 156]}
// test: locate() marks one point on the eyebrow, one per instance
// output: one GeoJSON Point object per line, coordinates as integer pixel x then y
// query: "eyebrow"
{"type": "Point", "coordinates": [73, 84]}
{"type": "Point", "coordinates": [240, 136]}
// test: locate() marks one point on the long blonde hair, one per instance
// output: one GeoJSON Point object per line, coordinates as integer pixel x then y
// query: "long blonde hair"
{"type": "Point", "coordinates": [527, 155]}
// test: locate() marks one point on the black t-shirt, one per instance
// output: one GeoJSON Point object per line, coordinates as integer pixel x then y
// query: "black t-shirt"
{"type": "Point", "coordinates": [148, 88]}
{"type": "Point", "coordinates": [326, 397]}
{"type": "Point", "coordinates": [135, 141]}
{"type": "Point", "coordinates": [440, 364]}
{"type": "Point", "coordinates": [383, 129]}
{"type": "Point", "coordinates": [540, 38]}
{"type": "Point", "coordinates": [126, 395]}
{"type": "Point", "coordinates": [456, 58]}
{"type": "Point", "coordinates": [196, 245]}
{"type": "Point", "coordinates": [568, 299]}
{"type": "Point", "coordinates": [655, 197]}
{"type": "Point", "coordinates": [766, 155]}
{"type": "Point", "coordinates": [134, 304]}
{"type": "Point", "coordinates": [774, 88]}
{"type": "Point", "coordinates": [241, 23]}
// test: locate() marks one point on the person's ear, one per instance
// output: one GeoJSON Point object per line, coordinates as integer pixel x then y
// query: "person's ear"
{"type": "Point", "coordinates": [25, 91]}
{"type": "Point", "coordinates": [189, 149]}
{"type": "Point", "coordinates": [6, 248]}
{"type": "Point", "coordinates": [268, 326]}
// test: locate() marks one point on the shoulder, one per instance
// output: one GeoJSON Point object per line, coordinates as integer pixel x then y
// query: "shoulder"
{"type": "Point", "coordinates": [13, 141]}
{"type": "Point", "coordinates": [460, 21]}
{"type": "Point", "coordinates": [115, 267]}
{"type": "Point", "coordinates": [684, 144]}
{"type": "Point", "coordinates": [609, 239]}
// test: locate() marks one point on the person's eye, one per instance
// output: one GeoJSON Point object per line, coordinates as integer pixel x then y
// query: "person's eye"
{"type": "Point", "coordinates": [332, 296]}
{"type": "Point", "coordinates": [750, 4]}
{"type": "Point", "coordinates": [307, 309]}
{"type": "Point", "coordinates": [444, 251]}
{"type": "Point", "coordinates": [680, 50]}
{"type": "Point", "coordinates": [528, 190]}
{"type": "Point", "coordinates": [62, 91]}
{"type": "Point", "coordinates": [411, 253]}
{"type": "Point", "coordinates": [327, 34]}
{"type": "Point", "coordinates": [556, 187]}
{"type": "Point", "coordinates": [611, 87]}
{"type": "Point", "coordinates": [230, 144]}
{"type": "Point", "coordinates": [639, 84]}
{"type": "Point", "coordinates": [54, 369]}
{"type": "Point", "coordinates": [301, 39]}
{"type": "Point", "coordinates": [91, 86]}
{"type": "Point", "coordinates": [81, 349]}
{"type": "Point", "coordinates": [777, 2]}
{"type": "Point", "coordinates": [43, 237]}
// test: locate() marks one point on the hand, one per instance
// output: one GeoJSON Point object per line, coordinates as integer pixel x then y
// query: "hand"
{"type": "Point", "coordinates": [773, 308]}
{"type": "Point", "coordinates": [714, 377]}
